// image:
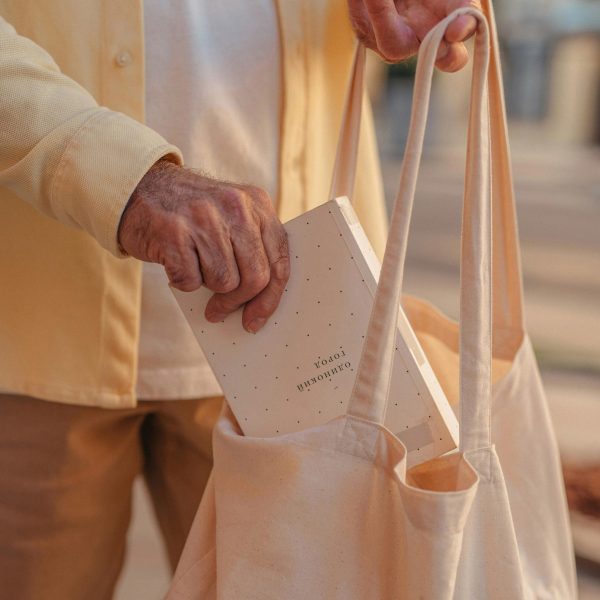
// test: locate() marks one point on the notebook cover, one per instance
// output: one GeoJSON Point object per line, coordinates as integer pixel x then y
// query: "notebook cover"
{"type": "Point", "coordinates": [298, 371]}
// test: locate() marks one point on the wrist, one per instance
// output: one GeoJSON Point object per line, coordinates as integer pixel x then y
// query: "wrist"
{"type": "Point", "coordinates": [149, 183]}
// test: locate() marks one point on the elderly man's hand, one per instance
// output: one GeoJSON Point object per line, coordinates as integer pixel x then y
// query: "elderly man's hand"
{"type": "Point", "coordinates": [395, 28]}
{"type": "Point", "coordinates": [209, 232]}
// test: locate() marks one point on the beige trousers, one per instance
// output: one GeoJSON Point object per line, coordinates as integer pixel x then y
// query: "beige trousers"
{"type": "Point", "coordinates": [66, 475]}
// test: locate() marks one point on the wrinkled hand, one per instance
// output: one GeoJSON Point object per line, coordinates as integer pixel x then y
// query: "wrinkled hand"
{"type": "Point", "coordinates": [207, 232]}
{"type": "Point", "coordinates": [395, 28]}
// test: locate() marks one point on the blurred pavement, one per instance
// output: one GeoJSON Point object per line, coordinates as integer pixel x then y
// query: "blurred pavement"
{"type": "Point", "coordinates": [146, 573]}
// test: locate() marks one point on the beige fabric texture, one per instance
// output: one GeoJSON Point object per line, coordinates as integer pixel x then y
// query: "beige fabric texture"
{"type": "Point", "coordinates": [331, 512]}
{"type": "Point", "coordinates": [73, 147]}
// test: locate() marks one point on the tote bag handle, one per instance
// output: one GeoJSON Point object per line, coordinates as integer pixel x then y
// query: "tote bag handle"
{"type": "Point", "coordinates": [508, 295]}
{"type": "Point", "coordinates": [344, 169]}
{"type": "Point", "coordinates": [507, 275]}
{"type": "Point", "coordinates": [370, 393]}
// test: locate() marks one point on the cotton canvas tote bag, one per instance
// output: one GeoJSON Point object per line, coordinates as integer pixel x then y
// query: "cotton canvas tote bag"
{"type": "Point", "coordinates": [331, 512]}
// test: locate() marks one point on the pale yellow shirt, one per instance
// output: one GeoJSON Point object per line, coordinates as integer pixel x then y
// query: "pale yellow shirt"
{"type": "Point", "coordinates": [70, 307]}
{"type": "Point", "coordinates": [213, 89]}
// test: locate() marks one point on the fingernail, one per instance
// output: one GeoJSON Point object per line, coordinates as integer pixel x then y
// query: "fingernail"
{"type": "Point", "coordinates": [256, 324]}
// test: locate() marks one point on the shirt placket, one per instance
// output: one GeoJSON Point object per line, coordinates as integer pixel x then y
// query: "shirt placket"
{"type": "Point", "coordinates": [122, 68]}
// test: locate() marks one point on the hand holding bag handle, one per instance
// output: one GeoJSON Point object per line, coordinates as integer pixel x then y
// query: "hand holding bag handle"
{"type": "Point", "coordinates": [369, 397]}
{"type": "Point", "coordinates": [507, 279]}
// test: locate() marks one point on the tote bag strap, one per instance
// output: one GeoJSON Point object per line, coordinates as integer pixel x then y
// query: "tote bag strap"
{"type": "Point", "coordinates": [507, 282]}
{"type": "Point", "coordinates": [370, 393]}
{"type": "Point", "coordinates": [344, 169]}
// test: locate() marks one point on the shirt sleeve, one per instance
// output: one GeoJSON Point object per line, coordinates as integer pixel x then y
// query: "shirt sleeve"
{"type": "Point", "coordinates": [73, 160]}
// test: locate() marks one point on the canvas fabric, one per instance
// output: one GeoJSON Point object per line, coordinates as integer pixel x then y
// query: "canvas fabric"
{"type": "Point", "coordinates": [332, 512]}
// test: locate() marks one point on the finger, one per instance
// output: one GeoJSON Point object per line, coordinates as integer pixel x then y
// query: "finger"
{"type": "Point", "coordinates": [361, 23]}
{"type": "Point", "coordinates": [217, 262]}
{"type": "Point", "coordinates": [461, 29]}
{"type": "Point", "coordinates": [464, 26]}
{"type": "Point", "coordinates": [183, 269]}
{"type": "Point", "coordinates": [259, 309]}
{"type": "Point", "coordinates": [254, 272]}
{"type": "Point", "coordinates": [452, 57]}
{"type": "Point", "coordinates": [395, 39]}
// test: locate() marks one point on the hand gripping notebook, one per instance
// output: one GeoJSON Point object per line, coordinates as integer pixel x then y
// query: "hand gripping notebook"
{"type": "Point", "coordinates": [299, 369]}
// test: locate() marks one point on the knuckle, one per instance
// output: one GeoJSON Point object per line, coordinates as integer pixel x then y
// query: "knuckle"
{"type": "Point", "coordinates": [180, 267]}
{"type": "Point", "coordinates": [261, 198]}
{"type": "Point", "coordinates": [281, 268]}
{"type": "Point", "coordinates": [234, 194]}
{"type": "Point", "coordinates": [234, 197]}
{"type": "Point", "coordinates": [247, 237]}
{"type": "Point", "coordinates": [236, 207]}
{"type": "Point", "coordinates": [257, 280]}
{"type": "Point", "coordinates": [258, 193]}
{"type": "Point", "coordinates": [182, 280]}
{"type": "Point", "coordinates": [223, 279]}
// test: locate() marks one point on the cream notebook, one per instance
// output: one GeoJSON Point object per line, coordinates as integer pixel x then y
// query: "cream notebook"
{"type": "Point", "coordinates": [298, 371]}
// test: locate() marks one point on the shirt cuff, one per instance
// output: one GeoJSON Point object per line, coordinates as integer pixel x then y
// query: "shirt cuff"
{"type": "Point", "coordinates": [101, 166]}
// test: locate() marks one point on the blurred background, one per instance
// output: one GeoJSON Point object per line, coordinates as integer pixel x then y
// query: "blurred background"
{"type": "Point", "coordinates": [551, 59]}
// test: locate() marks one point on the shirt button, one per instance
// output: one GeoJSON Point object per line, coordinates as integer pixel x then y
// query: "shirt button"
{"type": "Point", "coordinates": [123, 59]}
